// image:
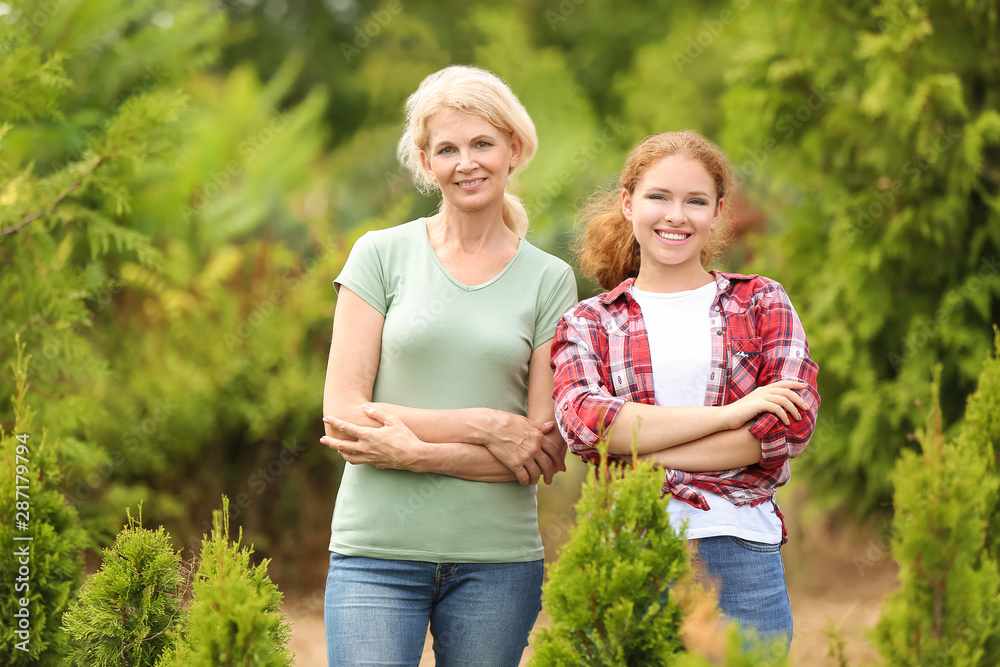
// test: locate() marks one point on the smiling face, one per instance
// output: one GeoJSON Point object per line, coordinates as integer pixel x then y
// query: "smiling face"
{"type": "Point", "coordinates": [673, 210]}
{"type": "Point", "coordinates": [468, 159]}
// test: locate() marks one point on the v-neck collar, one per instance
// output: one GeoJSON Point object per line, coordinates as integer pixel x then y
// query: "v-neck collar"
{"type": "Point", "coordinates": [454, 281]}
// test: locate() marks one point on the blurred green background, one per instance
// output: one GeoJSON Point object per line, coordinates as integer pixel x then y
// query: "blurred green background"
{"type": "Point", "coordinates": [181, 180]}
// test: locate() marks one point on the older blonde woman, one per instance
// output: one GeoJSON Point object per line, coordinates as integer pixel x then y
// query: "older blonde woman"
{"type": "Point", "coordinates": [439, 397]}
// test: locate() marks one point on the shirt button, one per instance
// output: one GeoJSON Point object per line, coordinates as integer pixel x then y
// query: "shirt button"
{"type": "Point", "coordinates": [718, 308]}
{"type": "Point", "coordinates": [722, 364]}
{"type": "Point", "coordinates": [719, 332]}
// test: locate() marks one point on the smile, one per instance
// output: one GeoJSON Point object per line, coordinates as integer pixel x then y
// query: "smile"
{"type": "Point", "coordinates": [466, 184]}
{"type": "Point", "coordinates": [672, 236]}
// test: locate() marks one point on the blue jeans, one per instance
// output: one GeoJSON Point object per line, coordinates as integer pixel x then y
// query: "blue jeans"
{"type": "Point", "coordinates": [751, 584]}
{"type": "Point", "coordinates": [377, 611]}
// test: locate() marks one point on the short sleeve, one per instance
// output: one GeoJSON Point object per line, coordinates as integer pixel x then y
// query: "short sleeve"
{"type": "Point", "coordinates": [561, 298]}
{"type": "Point", "coordinates": [363, 273]}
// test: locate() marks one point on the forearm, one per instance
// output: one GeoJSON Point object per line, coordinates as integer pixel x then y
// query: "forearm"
{"type": "Point", "coordinates": [660, 427]}
{"type": "Point", "coordinates": [467, 425]}
{"type": "Point", "coordinates": [724, 450]}
{"type": "Point", "coordinates": [462, 460]}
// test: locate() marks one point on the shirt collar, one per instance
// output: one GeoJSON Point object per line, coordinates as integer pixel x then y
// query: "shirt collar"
{"type": "Point", "coordinates": [722, 280]}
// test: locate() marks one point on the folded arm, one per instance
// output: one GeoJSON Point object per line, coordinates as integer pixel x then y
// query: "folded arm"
{"type": "Point", "coordinates": [586, 408]}
{"type": "Point", "coordinates": [460, 443]}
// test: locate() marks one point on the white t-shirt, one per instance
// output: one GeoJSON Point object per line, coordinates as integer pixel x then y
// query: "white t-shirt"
{"type": "Point", "coordinates": [680, 349]}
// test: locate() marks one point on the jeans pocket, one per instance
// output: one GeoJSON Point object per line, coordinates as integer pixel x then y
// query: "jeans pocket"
{"type": "Point", "coordinates": [758, 547]}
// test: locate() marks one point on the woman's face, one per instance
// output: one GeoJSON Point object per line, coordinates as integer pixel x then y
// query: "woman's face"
{"type": "Point", "coordinates": [469, 159]}
{"type": "Point", "coordinates": [672, 211]}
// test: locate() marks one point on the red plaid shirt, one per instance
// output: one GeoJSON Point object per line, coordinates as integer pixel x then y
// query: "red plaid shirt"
{"type": "Point", "coordinates": [601, 359]}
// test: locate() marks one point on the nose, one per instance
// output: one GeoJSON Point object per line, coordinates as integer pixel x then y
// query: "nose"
{"type": "Point", "coordinates": [467, 161]}
{"type": "Point", "coordinates": [675, 212]}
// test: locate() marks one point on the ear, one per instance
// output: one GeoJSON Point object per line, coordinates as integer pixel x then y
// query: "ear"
{"type": "Point", "coordinates": [718, 213]}
{"type": "Point", "coordinates": [627, 204]}
{"type": "Point", "coordinates": [425, 162]}
{"type": "Point", "coordinates": [516, 148]}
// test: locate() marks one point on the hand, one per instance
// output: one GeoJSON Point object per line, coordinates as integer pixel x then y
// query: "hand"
{"type": "Point", "coordinates": [524, 447]}
{"type": "Point", "coordinates": [391, 445]}
{"type": "Point", "coordinates": [779, 398]}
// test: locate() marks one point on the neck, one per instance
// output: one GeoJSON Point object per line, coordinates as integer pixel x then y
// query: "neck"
{"type": "Point", "coordinates": [472, 230]}
{"type": "Point", "coordinates": [666, 279]}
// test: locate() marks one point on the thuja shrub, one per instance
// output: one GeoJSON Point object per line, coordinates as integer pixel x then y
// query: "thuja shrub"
{"type": "Point", "coordinates": [235, 616]}
{"type": "Point", "coordinates": [606, 594]}
{"type": "Point", "coordinates": [126, 610]}
{"type": "Point", "coordinates": [41, 564]}
{"type": "Point", "coordinates": [947, 609]}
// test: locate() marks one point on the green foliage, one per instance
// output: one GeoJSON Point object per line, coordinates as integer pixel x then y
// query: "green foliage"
{"type": "Point", "coordinates": [946, 611]}
{"type": "Point", "coordinates": [126, 610]}
{"type": "Point", "coordinates": [606, 594]}
{"type": "Point", "coordinates": [167, 257]}
{"type": "Point", "coordinates": [235, 616]}
{"type": "Point", "coordinates": [41, 563]}
{"type": "Point", "coordinates": [875, 150]}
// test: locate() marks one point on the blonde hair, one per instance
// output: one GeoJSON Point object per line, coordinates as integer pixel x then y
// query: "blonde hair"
{"type": "Point", "coordinates": [607, 250]}
{"type": "Point", "coordinates": [477, 92]}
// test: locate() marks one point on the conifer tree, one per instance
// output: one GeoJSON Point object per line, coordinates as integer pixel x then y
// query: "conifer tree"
{"type": "Point", "coordinates": [875, 152]}
{"type": "Point", "coordinates": [947, 610]}
{"type": "Point", "coordinates": [41, 565]}
{"type": "Point", "coordinates": [234, 617]}
{"type": "Point", "coordinates": [622, 592]}
{"type": "Point", "coordinates": [605, 595]}
{"type": "Point", "coordinates": [125, 611]}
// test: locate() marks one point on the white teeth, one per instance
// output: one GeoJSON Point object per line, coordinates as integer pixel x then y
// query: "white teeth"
{"type": "Point", "coordinates": [475, 182]}
{"type": "Point", "coordinates": [672, 236]}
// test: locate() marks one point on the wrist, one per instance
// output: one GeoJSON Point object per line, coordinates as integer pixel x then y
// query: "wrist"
{"type": "Point", "coordinates": [420, 457]}
{"type": "Point", "coordinates": [481, 422]}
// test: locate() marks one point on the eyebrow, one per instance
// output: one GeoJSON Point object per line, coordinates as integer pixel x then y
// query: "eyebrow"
{"type": "Point", "coordinates": [669, 192]}
{"type": "Point", "coordinates": [479, 137]}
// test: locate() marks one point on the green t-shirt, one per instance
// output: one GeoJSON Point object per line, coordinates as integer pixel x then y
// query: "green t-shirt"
{"type": "Point", "coordinates": [447, 345]}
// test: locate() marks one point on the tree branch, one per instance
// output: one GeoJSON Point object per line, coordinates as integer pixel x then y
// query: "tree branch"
{"type": "Point", "coordinates": [34, 216]}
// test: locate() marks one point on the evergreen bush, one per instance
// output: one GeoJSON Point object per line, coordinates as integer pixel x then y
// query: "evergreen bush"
{"type": "Point", "coordinates": [234, 617]}
{"type": "Point", "coordinates": [126, 610]}
{"type": "Point", "coordinates": [605, 595]}
{"type": "Point", "coordinates": [41, 565]}
{"type": "Point", "coordinates": [947, 609]}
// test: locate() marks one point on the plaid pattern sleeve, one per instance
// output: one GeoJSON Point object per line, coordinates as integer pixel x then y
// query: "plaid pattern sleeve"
{"type": "Point", "coordinates": [784, 355]}
{"type": "Point", "coordinates": [583, 403]}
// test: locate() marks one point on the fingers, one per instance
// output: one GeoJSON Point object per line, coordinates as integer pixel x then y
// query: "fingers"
{"type": "Point", "coordinates": [346, 448]}
{"type": "Point", "coordinates": [556, 451]}
{"type": "Point", "coordinates": [379, 415]}
{"type": "Point", "coordinates": [347, 428]}
{"type": "Point", "coordinates": [534, 472]}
